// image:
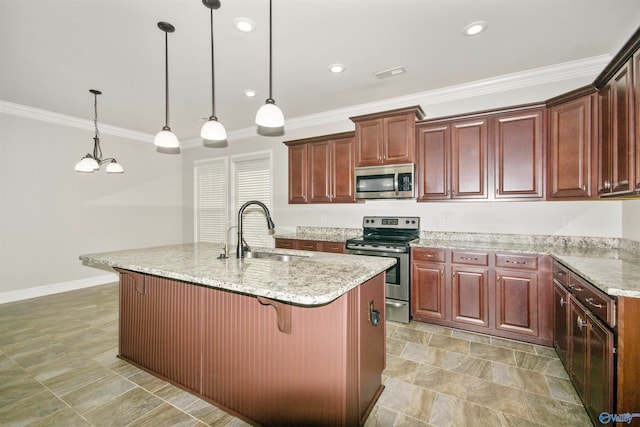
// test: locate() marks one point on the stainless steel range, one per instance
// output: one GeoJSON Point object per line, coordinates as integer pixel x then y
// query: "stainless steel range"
{"type": "Point", "coordinates": [390, 237]}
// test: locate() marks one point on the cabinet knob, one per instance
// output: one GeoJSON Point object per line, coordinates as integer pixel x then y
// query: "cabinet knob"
{"type": "Point", "coordinates": [581, 323]}
{"type": "Point", "coordinates": [584, 188]}
{"type": "Point", "coordinates": [562, 302]}
{"type": "Point", "coordinates": [607, 184]}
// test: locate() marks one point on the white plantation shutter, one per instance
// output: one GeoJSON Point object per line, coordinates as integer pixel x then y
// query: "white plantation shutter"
{"type": "Point", "coordinates": [252, 181]}
{"type": "Point", "coordinates": [211, 200]}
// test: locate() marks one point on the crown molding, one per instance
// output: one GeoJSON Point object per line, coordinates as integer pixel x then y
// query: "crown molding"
{"type": "Point", "coordinates": [70, 121]}
{"type": "Point", "coordinates": [587, 67]}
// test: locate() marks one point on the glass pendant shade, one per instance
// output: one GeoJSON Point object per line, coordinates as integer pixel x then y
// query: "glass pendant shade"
{"type": "Point", "coordinates": [87, 164]}
{"type": "Point", "coordinates": [166, 139]}
{"type": "Point", "coordinates": [114, 167]}
{"type": "Point", "coordinates": [270, 116]}
{"type": "Point", "coordinates": [213, 130]}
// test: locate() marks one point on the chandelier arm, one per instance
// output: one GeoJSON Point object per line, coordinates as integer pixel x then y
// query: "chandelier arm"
{"type": "Point", "coordinates": [166, 78]}
{"type": "Point", "coordinates": [270, 51]}
{"type": "Point", "coordinates": [213, 79]}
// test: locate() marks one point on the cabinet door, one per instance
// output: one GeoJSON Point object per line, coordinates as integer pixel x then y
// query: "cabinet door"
{"type": "Point", "coordinates": [434, 144]}
{"type": "Point", "coordinates": [306, 245]}
{"type": "Point", "coordinates": [517, 301]}
{"type": "Point", "coordinates": [622, 97]}
{"type": "Point", "coordinates": [636, 80]}
{"type": "Point", "coordinates": [569, 162]}
{"type": "Point", "coordinates": [319, 169]}
{"type": "Point", "coordinates": [605, 140]}
{"type": "Point", "coordinates": [298, 173]}
{"type": "Point", "coordinates": [561, 323]}
{"type": "Point", "coordinates": [470, 295]}
{"type": "Point", "coordinates": [578, 346]}
{"type": "Point", "coordinates": [469, 159]}
{"type": "Point", "coordinates": [428, 290]}
{"type": "Point", "coordinates": [399, 139]}
{"type": "Point", "coordinates": [369, 144]}
{"type": "Point", "coordinates": [519, 148]}
{"type": "Point", "coordinates": [600, 368]}
{"type": "Point", "coordinates": [342, 175]}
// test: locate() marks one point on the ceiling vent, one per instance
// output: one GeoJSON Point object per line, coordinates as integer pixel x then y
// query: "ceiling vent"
{"type": "Point", "coordinates": [390, 72]}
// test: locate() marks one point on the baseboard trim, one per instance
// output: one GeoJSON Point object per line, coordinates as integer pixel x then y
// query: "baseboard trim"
{"type": "Point", "coordinates": [56, 288]}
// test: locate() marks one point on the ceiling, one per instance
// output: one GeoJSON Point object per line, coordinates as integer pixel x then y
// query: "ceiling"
{"type": "Point", "coordinates": [54, 51]}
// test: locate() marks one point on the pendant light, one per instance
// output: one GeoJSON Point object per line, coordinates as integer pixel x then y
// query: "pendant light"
{"type": "Point", "coordinates": [165, 138]}
{"type": "Point", "coordinates": [213, 130]}
{"type": "Point", "coordinates": [269, 115]}
{"type": "Point", "coordinates": [92, 162]}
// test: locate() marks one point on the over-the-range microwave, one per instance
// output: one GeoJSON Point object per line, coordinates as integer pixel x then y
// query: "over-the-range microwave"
{"type": "Point", "coordinates": [385, 182]}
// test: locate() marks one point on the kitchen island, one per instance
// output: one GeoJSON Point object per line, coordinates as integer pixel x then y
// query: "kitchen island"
{"type": "Point", "coordinates": [274, 342]}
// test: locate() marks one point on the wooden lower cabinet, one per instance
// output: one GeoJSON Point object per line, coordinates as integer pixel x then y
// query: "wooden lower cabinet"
{"type": "Point", "coordinates": [310, 245]}
{"type": "Point", "coordinates": [470, 295]}
{"type": "Point", "coordinates": [507, 295]}
{"type": "Point", "coordinates": [586, 345]}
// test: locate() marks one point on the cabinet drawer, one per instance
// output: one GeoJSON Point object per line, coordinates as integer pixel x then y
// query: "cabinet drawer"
{"type": "Point", "coordinates": [284, 243]}
{"type": "Point", "coordinates": [426, 254]}
{"type": "Point", "coordinates": [473, 258]}
{"type": "Point", "coordinates": [306, 245]}
{"type": "Point", "coordinates": [561, 274]}
{"type": "Point", "coordinates": [596, 301]}
{"type": "Point", "coordinates": [335, 247]}
{"type": "Point", "coordinates": [529, 262]}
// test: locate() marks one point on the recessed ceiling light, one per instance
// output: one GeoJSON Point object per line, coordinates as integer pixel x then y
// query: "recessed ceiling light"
{"type": "Point", "coordinates": [244, 25]}
{"type": "Point", "coordinates": [250, 93]}
{"type": "Point", "coordinates": [475, 28]}
{"type": "Point", "coordinates": [336, 68]}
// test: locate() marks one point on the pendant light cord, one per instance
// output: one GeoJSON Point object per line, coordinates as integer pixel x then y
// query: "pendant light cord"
{"type": "Point", "coordinates": [270, 52]}
{"type": "Point", "coordinates": [166, 80]}
{"type": "Point", "coordinates": [213, 79]}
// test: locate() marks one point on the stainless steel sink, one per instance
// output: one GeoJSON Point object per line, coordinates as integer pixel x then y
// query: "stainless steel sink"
{"type": "Point", "coordinates": [270, 255]}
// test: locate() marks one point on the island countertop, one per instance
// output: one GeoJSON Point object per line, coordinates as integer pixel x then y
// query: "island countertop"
{"type": "Point", "coordinates": [310, 278]}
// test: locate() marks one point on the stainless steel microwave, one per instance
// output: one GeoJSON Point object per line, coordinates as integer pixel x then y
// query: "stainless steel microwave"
{"type": "Point", "coordinates": [385, 182]}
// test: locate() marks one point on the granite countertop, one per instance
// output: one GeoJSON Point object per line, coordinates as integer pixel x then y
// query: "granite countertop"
{"type": "Point", "coordinates": [310, 278]}
{"type": "Point", "coordinates": [614, 271]}
{"type": "Point", "coordinates": [326, 234]}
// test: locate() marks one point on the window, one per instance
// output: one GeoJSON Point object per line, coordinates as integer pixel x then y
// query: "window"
{"type": "Point", "coordinates": [219, 194]}
{"type": "Point", "coordinates": [211, 201]}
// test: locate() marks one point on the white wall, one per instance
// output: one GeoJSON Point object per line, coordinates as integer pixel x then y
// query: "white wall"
{"type": "Point", "coordinates": [631, 219]}
{"type": "Point", "coordinates": [597, 218]}
{"type": "Point", "coordinates": [50, 214]}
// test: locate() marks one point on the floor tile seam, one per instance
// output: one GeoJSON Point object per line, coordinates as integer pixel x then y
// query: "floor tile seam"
{"type": "Point", "coordinates": [505, 411]}
{"type": "Point", "coordinates": [156, 407]}
{"type": "Point", "coordinates": [178, 408]}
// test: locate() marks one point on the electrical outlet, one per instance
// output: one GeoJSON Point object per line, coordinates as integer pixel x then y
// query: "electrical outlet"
{"type": "Point", "coordinates": [445, 220]}
{"type": "Point", "coordinates": [567, 221]}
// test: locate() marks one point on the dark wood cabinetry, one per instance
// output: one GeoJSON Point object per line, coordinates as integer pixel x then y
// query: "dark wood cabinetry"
{"type": "Point", "coordinates": [636, 82]}
{"type": "Point", "coordinates": [616, 158]}
{"type": "Point", "coordinates": [298, 173]}
{"type": "Point", "coordinates": [321, 169]}
{"type": "Point", "coordinates": [507, 295]}
{"type": "Point", "coordinates": [519, 147]}
{"type": "Point", "coordinates": [492, 155]}
{"type": "Point", "coordinates": [570, 170]}
{"type": "Point", "coordinates": [585, 340]}
{"type": "Point", "coordinates": [452, 160]}
{"type": "Point", "coordinates": [387, 137]}
{"type": "Point", "coordinates": [310, 245]}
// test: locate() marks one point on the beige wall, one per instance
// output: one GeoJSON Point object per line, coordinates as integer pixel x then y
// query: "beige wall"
{"type": "Point", "coordinates": [49, 214]}
{"type": "Point", "coordinates": [631, 219]}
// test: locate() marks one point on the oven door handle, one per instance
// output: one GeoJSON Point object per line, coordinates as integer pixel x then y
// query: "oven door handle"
{"type": "Point", "coordinates": [395, 304]}
{"type": "Point", "coordinates": [375, 252]}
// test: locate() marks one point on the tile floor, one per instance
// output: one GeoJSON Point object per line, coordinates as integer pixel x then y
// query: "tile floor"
{"type": "Point", "coordinates": [58, 367]}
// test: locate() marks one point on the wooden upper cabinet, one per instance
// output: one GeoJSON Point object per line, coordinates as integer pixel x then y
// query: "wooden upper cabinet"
{"type": "Point", "coordinates": [636, 80]}
{"type": "Point", "coordinates": [433, 162]}
{"type": "Point", "coordinates": [298, 174]}
{"type": "Point", "coordinates": [518, 140]}
{"type": "Point", "coordinates": [616, 145]}
{"type": "Point", "coordinates": [321, 169]}
{"type": "Point", "coordinates": [387, 137]}
{"type": "Point", "coordinates": [569, 167]}
{"type": "Point", "coordinates": [469, 158]}
{"type": "Point", "coordinates": [452, 159]}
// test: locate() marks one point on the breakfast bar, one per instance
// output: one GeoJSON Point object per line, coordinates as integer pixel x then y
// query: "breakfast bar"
{"type": "Point", "coordinates": [279, 337]}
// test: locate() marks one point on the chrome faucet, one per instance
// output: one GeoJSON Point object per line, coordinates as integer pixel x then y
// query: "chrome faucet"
{"type": "Point", "coordinates": [242, 245]}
